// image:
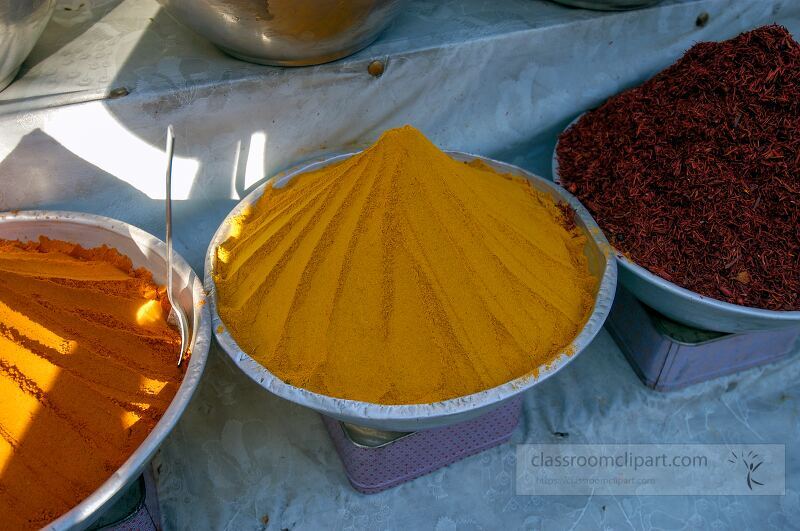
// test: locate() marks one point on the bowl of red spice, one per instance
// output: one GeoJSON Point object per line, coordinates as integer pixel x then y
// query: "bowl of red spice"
{"type": "Point", "coordinates": [694, 178]}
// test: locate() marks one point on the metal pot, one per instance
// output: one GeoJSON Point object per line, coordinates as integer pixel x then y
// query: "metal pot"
{"type": "Point", "coordinates": [608, 5]}
{"type": "Point", "coordinates": [21, 24]}
{"type": "Point", "coordinates": [286, 32]}
{"type": "Point", "coordinates": [144, 250]}
{"type": "Point", "coordinates": [414, 417]}
{"type": "Point", "coordinates": [685, 306]}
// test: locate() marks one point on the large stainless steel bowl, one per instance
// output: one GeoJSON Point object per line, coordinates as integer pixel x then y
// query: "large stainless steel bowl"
{"type": "Point", "coordinates": [688, 307]}
{"type": "Point", "coordinates": [147, 251]}
{"type": "Point", "coordinates": [608, 5]}
{"type": "Point", "coordinates": [404, 418]}
{"type": "Point", "coordinates": [21, 24]}
{"type": "Point", "coordinates": [286, 32]}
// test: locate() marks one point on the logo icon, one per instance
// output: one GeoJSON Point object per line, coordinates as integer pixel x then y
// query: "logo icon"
{"type": "Point", "coordinates": [751, 462]}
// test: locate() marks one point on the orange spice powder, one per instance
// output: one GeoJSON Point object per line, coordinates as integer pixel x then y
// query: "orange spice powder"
{"type": "Point", "coordinates": [87, 368]}
{"type": "Point", "coordinates": [403, 276]}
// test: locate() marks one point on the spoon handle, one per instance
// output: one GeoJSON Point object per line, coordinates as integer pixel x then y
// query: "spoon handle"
{"type": "Point", "coordinates": [170, 151]}
{"type": "Point", "coordinates": [182, 321]}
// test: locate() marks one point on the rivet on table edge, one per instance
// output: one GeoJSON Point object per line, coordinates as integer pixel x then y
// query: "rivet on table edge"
{"type": "Point", "coordinates": [119, 92]}
{"type": "Point", "coordinates": [376, 68]}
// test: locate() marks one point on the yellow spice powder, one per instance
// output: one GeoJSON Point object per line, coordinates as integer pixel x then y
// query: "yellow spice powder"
{"type": "Point", "coordinates": [402, 276]}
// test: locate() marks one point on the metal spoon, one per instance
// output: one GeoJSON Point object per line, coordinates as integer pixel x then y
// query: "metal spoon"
{"type": "Point", "coordinates": [183, 322]}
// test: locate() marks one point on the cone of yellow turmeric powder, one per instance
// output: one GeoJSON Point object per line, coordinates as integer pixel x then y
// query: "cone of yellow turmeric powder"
{"type": "Point", "coordinates": [402, 276]}
{"type": "Point", "coordinates": [87, 368]}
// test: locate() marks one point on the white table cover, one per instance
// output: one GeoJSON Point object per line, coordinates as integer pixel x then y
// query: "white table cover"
{"type": "Point", "coordinates": [83, 129]}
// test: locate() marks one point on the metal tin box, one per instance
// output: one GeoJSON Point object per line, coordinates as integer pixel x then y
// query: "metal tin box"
{"type": "Point", "coordinates": [374, 464]}
{"type": "Point", "coordinates": [667, 356]}
{"type": "Point", "coordinates": [137, 508]}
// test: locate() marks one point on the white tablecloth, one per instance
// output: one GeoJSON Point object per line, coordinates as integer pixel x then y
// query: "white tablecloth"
{"type": "Point", "coordinates": [497, 78]}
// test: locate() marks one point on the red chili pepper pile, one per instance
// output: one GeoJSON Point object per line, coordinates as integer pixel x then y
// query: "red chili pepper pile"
{"type": "Point", "coordinates": [695, 175]}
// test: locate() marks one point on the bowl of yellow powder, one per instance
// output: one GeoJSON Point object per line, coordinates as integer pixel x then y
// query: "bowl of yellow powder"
{"type": "Point", "coordinates": [406, 288]}
{"type": "Point", "coordinates": [88, 358]}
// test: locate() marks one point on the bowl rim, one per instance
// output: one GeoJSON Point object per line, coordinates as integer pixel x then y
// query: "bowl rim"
{"type": "Point", "coordinates": [85, 512]}
{"type": "Point", "coordinates": [393, 414]}
{"type": "Point", "coordinates": [687, 295]}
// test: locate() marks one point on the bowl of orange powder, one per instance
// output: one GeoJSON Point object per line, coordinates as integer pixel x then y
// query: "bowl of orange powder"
{"type": "Point", "coordinates": [405, 288]}
{"type": "Point", "coordinates": [88, 358]}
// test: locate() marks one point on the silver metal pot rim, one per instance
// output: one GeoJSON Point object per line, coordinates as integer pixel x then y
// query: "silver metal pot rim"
{"type": "Point", "coordinates": [734, 312]}
{"type": "Point", "coordinates": [87, 510]}
{"type": "Point", "coordinates": [403, 417]}
{"type": "Point", "coordinates": [21, 26]}
{"type": "Point", "coordinates": [261, 36]}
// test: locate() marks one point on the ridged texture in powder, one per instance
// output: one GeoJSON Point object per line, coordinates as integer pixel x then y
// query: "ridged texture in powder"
{"type": "Point", "coordinates": [82, 380]}
{"type": "Point", "coordinates": [403, 276]}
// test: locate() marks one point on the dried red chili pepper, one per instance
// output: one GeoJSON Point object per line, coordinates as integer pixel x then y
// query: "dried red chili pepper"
{"type": "Point", "coordinates": [695, 174]}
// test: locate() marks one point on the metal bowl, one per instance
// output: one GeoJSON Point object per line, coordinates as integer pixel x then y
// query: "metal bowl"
{"type": "Point", "coordinates": [608, 5]}
{"type": "Point", "coordinates": [21, 24]}
{"type": "Point", "coordinates": [286, 32]}
{"type": "Point", "coordinates": [688, 307]}
{"type": "Point", "coordinates": [404, 418]}
{"type": "Point", "coordinates": [147, 251]}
